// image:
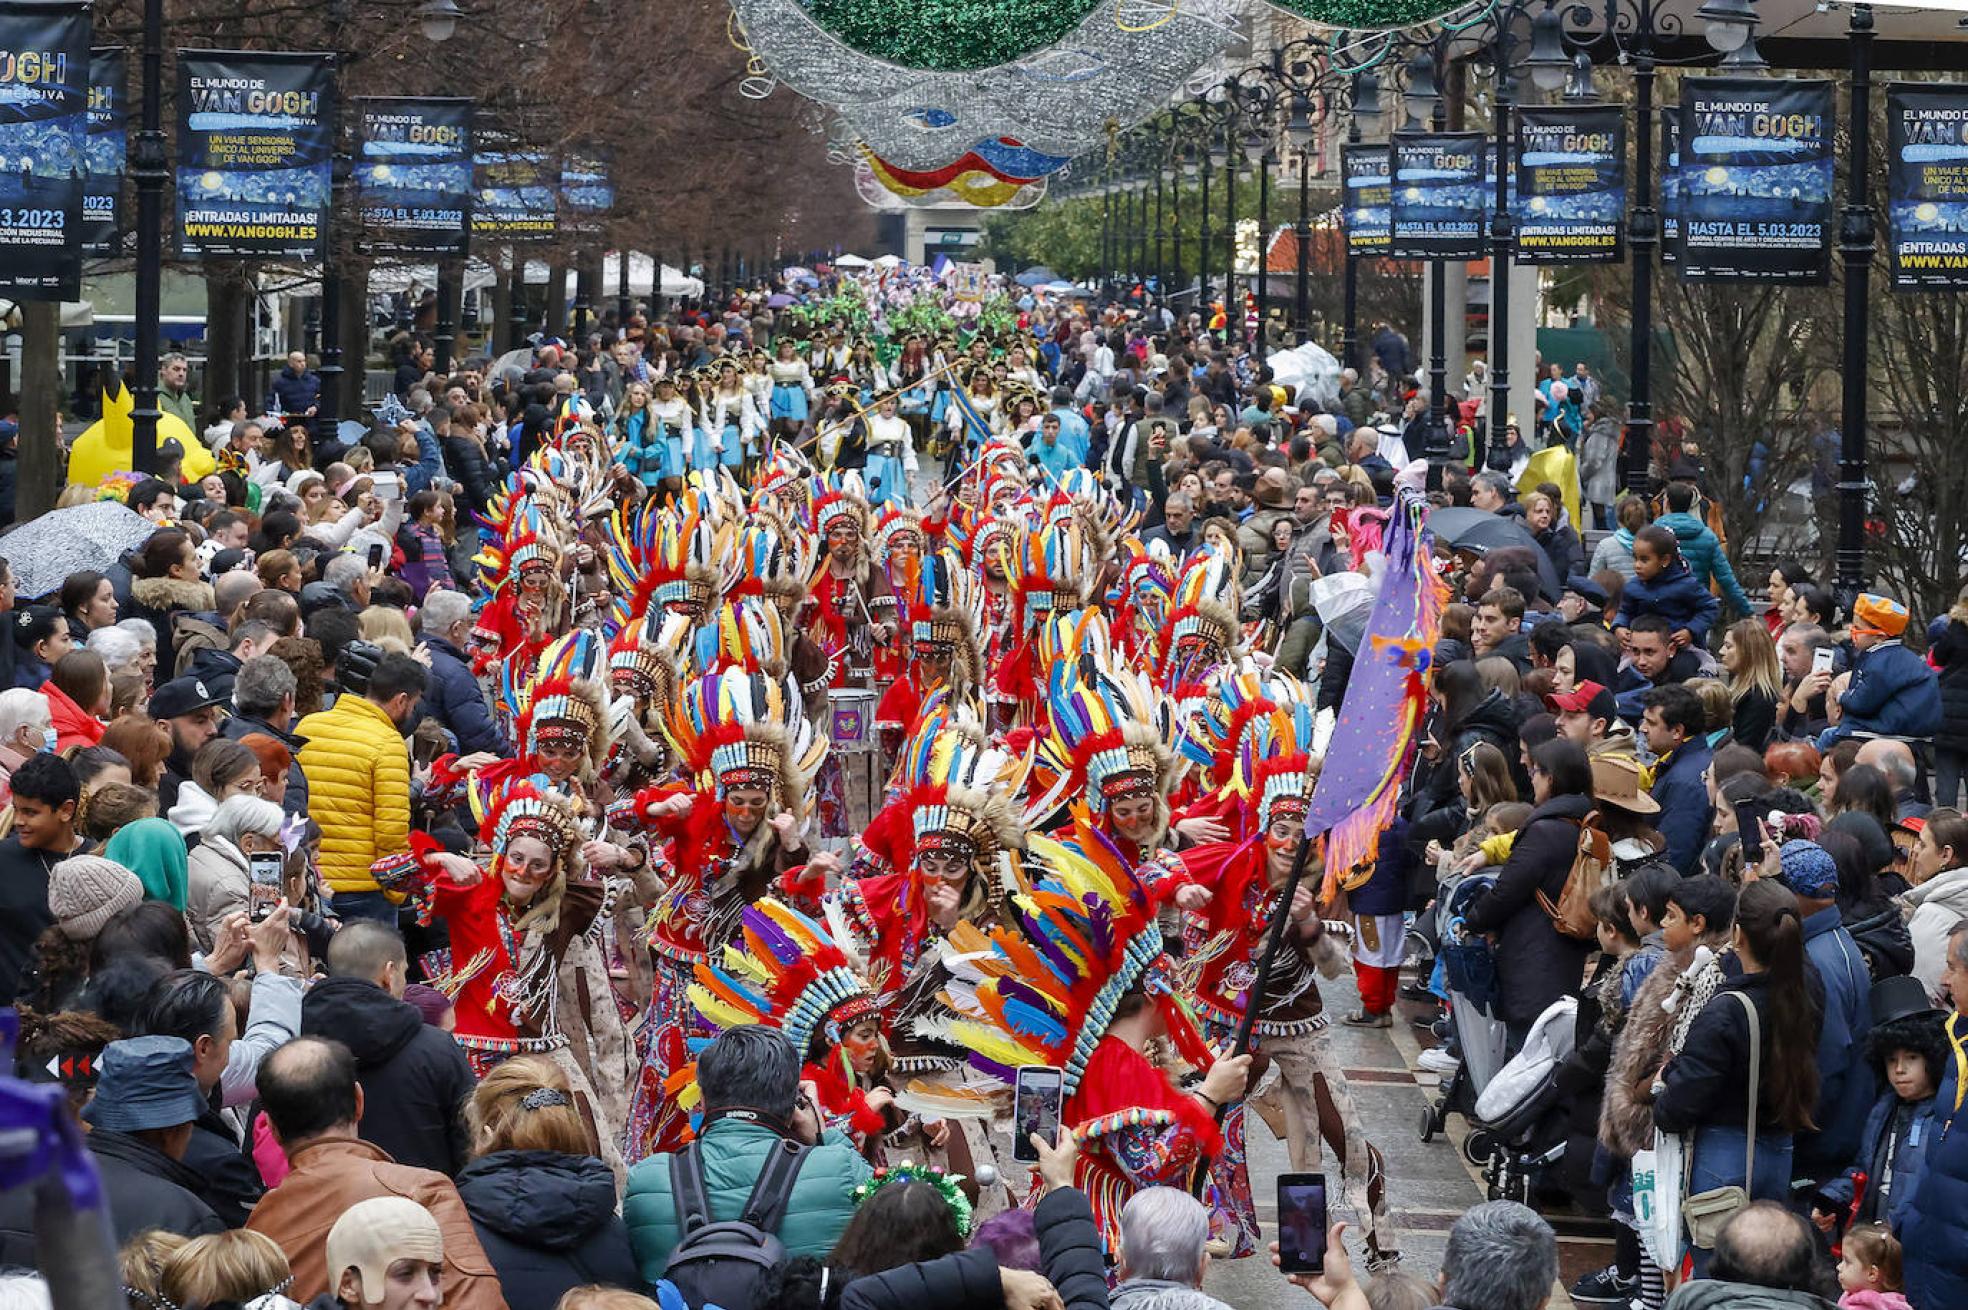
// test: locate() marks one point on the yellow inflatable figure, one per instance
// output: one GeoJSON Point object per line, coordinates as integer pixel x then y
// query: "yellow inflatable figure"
{"type": "Point", "coordinates": [104, 446]}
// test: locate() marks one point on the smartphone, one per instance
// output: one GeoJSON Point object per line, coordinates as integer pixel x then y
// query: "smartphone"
{"type": "Point", "coordinates": [388, 486]}
{"type": "Point", "coordinates": [1823, 658]}
{"type": "Point", "coordinates": [424, 750]}
{"type": "Point", "coordinates": [1035, 1106]}
{"type": "Point", "coordinates": [1749, 823]}
{"type": "Point", "coordinates": [1301, 1223]}
{"type": "Point", "coordinates": [267, 871]}
{"type": "Point", "coordinates": [378, 552]}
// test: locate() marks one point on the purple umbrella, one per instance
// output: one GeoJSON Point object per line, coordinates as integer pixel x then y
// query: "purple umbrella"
{"type": "Point", "coordinates": [779, 301]}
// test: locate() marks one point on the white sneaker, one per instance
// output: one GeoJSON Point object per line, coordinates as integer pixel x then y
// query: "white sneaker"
{"type": "Point", "coordinates": [1438, 1061]}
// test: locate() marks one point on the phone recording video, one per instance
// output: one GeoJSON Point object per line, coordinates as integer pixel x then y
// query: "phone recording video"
{"type": "Point", "coordinates": [1035, 1109]}
{"type": "Point", "coordinates": [1302, 1223]}
{"type": "Point", "coordinates": [266, 871]}
{"type": "Point", "coordinates": [1749, 824]}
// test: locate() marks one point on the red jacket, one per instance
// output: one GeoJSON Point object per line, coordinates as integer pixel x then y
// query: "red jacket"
{"type": "Point", "coordinates": [74, 726]}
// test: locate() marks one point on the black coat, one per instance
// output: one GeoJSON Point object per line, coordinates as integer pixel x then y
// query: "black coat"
{"type": "Point", "coordinates": [145, 1189]}
{"type": "Point", "coordinates": [452, 698]}
{"type": "Point", "coordinates": [547, 1222]}
{"type": "Point", "coordinates": [1708, 1081]}
{"type": "Point", "coordinates": [1950, 655]}
{"type": "Point", "coordinates": [1536, 964]}
{"type": "Point", "coordinates": [466, 462]}
{"type": "Point", "coordinates": [24, 914]}
{"type": "Point", "coordinates": [227, 1180]}
{"type": "Point", "coordinates": [1069, 1249]}
{"type": "Point", "coordinates": [1435, 805]}
{"type": "Point", "coordinates": [415, 1078]}
{"type": "Point", "coordinates": [968, 1280]}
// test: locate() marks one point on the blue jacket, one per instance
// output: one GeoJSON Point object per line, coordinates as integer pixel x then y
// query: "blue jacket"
{"type": "Point", "coordinates": [733, 1153]}
{"type": "Point", "coordinates": [294, 393]}
{"type": "Point", "coordinates": [1909, 1158]}
{"type": "Point", "coordinates": [1703, 551]}
{"type": "Point", "coordinates": [1682, 790]}
{"type": "Point", "coordinates": [429, 466]}
{"type": "Point", "coordinates": [1845, 1082]}
{"type": "Point", "coordinates": [1893, 692]}
{"type": "Point", "coordinates": [1930, 1227]}
{"type": "Point", "coordinates": [1676, 596]}
{"type": "Point", "coordinates": [452, 698]}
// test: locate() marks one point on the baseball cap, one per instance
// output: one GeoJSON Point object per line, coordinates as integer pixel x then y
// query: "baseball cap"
{"type": "Point", "coordinates": [1587, 590]}
{"type": "Point", "coordinates": [185, 696]}
{"type": "Point", "coordinates": [1590, 697]}
{"type": "Point", "coordinates": [374, 1234]}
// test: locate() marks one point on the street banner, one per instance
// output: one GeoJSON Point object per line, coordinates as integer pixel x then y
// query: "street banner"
{"type": "Point", "coordinates": [1756, 171]}
{"type": "Point", "coordinates": [107, 151]}
{"type": "Point", "coordinates": [413, 174]}
{"type": "Point", "coordinates": [1670, 185]}
{"type": "Point", "coordinates": [1366, 173]}
{"type": "Point", "coordinates": [513, 196]}
{"type": "Point", "coordinates": [586, 184]}
{"type": "Point", "coordinates": [1490, 186]}
{"type": "Point", "coordinates": [1437, 205]}
{"type": "Point", "coordinates": [256, 136]}
{"type": "Point", "coordinates": [44, 110]}
{"type": "Point", "coordinates": [1927, 185]}
{"type": "Point", "coordinates": [1571, 184]}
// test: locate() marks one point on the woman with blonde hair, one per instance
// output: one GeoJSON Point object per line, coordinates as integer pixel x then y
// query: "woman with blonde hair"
{"type": "Point", "coordinates": [386, 626]}
{"type": "Point", "coordinates": [144, 1258]}
{"type": "Point", "coordinates": [540, 1199]}
{"type": "Point", "coordinates": [235, 1267]}
{"type": "Point", "coordinates": [1749, 657]}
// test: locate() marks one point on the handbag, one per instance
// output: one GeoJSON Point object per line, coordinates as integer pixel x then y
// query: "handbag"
{"type": "Point", "coordinates": [1706, 1212]}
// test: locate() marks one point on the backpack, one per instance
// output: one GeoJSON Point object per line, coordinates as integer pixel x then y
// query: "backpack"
{"type": "Point", "coordinates": [721, 1263]}
{"type": "Point", "coordinates": [1592, 868]}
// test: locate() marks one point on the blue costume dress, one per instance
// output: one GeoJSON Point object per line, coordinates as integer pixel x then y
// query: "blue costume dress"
{"type": "Point", "coordinates": [792, 382]}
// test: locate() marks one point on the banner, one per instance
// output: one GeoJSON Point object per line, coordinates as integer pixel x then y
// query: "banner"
{"type": "Point", "coordinates": [1571, 184]}
{"type": "Point", "coordinates": [1670, 185]}
{"type": "Point", "coordinates": [413, 174]}
{"type": "Point", "coordinates": [513, 196]}
{"type": "Point", "coordinates": [256, 136]}
{"type": "Point", "coordinates": [1436, 211]}
{"type": "Point", "coordinates": [1756, 170]}
{"type": "Point", "coordinates": [108, 151]}
{"type": "Point", "coordinates": [1367, 181]}
{"type": "Point", "coordinates": [586, 185]}
{"type": "Point", "coordinates": [44, 109]}
{"type": "Point", "coordinates": [1927, 186]}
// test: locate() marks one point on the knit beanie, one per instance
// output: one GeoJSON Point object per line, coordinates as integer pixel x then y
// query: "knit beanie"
{"type": "Point", "coordinates": [86, 891]}
{"type": "Point", "coordinates": [1808, 870]}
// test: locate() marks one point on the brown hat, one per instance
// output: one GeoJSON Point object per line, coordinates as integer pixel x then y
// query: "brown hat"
{"type": "Point", "coordinates": [1616, 782]}
{"type": "Point", "coordinates": [86, 891]}
{"type": "Point", "coordinates": [1273, 488]}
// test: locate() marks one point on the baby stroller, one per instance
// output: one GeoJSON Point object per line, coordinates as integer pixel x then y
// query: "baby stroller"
{"type": "Point", "coordinates": [1466, 973]}
{"type": "Point", "coordinates": [1518, 1130]}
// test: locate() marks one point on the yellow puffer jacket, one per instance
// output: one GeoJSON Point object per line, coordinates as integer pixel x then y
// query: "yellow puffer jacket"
{"type": "Point", "coordinates": [358, 773]}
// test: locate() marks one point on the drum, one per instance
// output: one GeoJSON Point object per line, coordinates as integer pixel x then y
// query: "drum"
{"type": "Point", "coordinates": [851, 719]}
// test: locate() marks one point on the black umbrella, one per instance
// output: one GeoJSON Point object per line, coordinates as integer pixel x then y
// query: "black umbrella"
{"type": "Point", "coordinates": [1488, 532]}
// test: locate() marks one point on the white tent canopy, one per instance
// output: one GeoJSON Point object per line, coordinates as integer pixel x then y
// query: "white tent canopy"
{"type": "Point", "coordinates": [850, 261]}
{"type": "Point", "coordinates": [642, 277]}
{"type": "Point", "coordinates": [387, 279]}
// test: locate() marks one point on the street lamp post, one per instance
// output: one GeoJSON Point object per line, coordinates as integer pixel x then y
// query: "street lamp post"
{"type": "Point", "coordinates": [1299, 131]}
{"type": "Point", "coordinates": [1425, 101]}
{"type": "Point", "coordinates": [1260, 142]}
{"type": "Point", "coordinates": [1855, 244]}
{"type": "Point", "coordinates": [149, 171]}
{"type": "Point", "coordinates": [1233, 317]}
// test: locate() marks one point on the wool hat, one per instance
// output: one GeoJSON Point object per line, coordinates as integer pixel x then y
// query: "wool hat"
{"type": "Point", "coordinates": [374, 1234]}
{"type": "Point", "coordinates": [1878, 614]}
{"type": "Point", "coordinates": [430, 1002]}
{"type": "Point", "coordinates": [1808, 870]}
{"type": "Point", "coordinates": [87, 891]}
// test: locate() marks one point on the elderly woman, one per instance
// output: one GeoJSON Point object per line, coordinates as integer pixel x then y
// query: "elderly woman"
{"type": "Point", "coordinates": [219, 880]}
{"type": "Point", "coordinates": [125, 650]}
{"type": "Point", "coordinates": [25, 727]}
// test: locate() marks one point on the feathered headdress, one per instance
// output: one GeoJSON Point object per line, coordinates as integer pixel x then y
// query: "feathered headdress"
{"type": "Point", "coordinates": [566, 700]}
{"type": "Point", "coordinates": [739, 729]}
{"type": "Point", "coordinates": [1052, 570]}
{"type": "Point", "coordinates": [836, 498]}
{"type": "Point", "coordinates": [784, 971]}
{"type": "Point", "coordinates": [1142, 606]}
{"type": "Point", "coordinates": [960, 788]}
{"type": "Point", "coordinates": [1201, 631]}
{"type": "Point", "coordinates": [1273, 765]}
{"type": "Point", "coordinates": [776, 559]}
{"type": "Point", "coordinates": [1236, 705]}
{"type": "Point", "coordinates": [946, 616]}
{"type": "Point", "coordinates": [525, 807]}
{"type": "Point", "coordinates": [1045, 990]}
{"type": "Point", "coordinates": [1111, 734]}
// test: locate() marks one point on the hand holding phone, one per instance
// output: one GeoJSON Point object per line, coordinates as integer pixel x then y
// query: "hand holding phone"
{"type": "Point", "coordinates": [1302, 1223]}
{"type": "Point", "coordinates": [378, 553]}
{"type": "Point", "coordinates": [1035, 1106]}
{"type": "Point", "coordinates": [267, 874]}
{"type": "Point", "coordinates": [1823, 658]}
{"type": "Point", "coordinates": [1749, 826]}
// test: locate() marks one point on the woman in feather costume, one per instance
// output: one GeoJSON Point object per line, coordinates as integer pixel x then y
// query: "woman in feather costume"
{"type": "Point", "coordinates": [1242, 884]}
{"type": "Point", "coordinates": [527, 971]}
{"type": "Point", "coordinates": [1079, 982]}
{"type": "Point", "coordinates": [751, 754]}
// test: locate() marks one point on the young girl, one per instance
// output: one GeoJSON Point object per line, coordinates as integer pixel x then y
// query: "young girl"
{"type": "Point", "coordinates": [1869, 1270]}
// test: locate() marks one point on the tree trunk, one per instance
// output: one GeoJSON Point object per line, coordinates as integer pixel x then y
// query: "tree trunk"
{"type": "Point", "coordinates": [225, 330]}
{"type": "Point", "coordinates": [37, 469]}
{"type": "Point", "coordinates": [556, 325]}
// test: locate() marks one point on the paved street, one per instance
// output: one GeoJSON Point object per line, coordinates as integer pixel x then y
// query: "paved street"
{"type": "Point", "coordinates": [1429, 1184]}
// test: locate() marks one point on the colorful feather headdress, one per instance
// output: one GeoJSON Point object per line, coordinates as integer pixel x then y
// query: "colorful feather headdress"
{"type": "Point", "coordinates": [960, 788]}
{"type": "Point", "coordinates": [785, 971]}
{"type": "Point", "coordinates": [1052, 570]}
{"type": "Point", "coordinates": [1142, 606]}
{"type": "Point", "coordinates": [1201, 631]}
{"type": "Point", "coordinates": [739, 729]}
{"type": "Point", "coordinates": [775, 560]}
{"type": "Point", "coordinates": [1238, 700]}
{"type": "Point", "coordinates": [646, 656]}
{"type": "Point", "coordinates": [1045, 990]}
{"type": "Point", "coordinates": [1111, 733]}
{"type": "Point", "coordinates": [525, 807]}
{"type": "Point", "coordinates": [1273, 764]}
{"type": "Point", "coordinates": [513, 534]}
{"type": "Point", "coordinates": [565, 702]}
{"type": "Point", "coordinates": [946, 615]}
{"type": "Point", "coordinates": [834, 498]}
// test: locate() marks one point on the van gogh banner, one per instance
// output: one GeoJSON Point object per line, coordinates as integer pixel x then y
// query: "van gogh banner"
{"type": "Point", "coordinates": [1927, 186]}
{"type": "Point", "coordinates": [1670, 185]}
{"type": "Point", "coordinates": [413, 174]}
{"type": "Point", "coordinates": [44, 108]}
{"type": "Point", "coordinates": [1756, 169]}
{"type": "Point", "coordinates": [1571, 184]}
{"type": "Point", "coordinates": [108, 151]}
{"type": "Point", "coordinates": [1365, 170]}
{"type": "Point", "coordinates": [513, 196]}
{"type": "Point", "coordinates": [256, 135]}
{"type": "Point", "coordinates": [586, 186]}
{"type": "Point", "coordinates": [1437, 204]}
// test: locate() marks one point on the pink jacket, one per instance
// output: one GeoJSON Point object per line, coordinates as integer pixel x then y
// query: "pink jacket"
{"type": "Point", "coordinates": [1865, 1298]}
